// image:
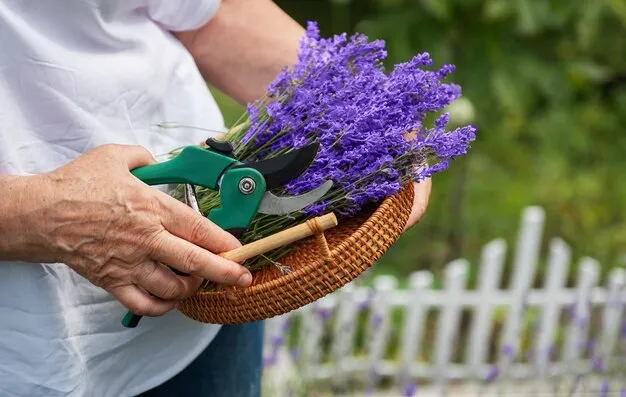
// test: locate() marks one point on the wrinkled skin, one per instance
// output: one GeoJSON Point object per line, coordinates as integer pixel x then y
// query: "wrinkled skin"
{"type": "Point", "coordinates": [95, 216]}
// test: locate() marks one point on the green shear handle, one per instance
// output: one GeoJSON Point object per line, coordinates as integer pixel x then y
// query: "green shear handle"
{"type": "Point", "coordinates": [241, 189]}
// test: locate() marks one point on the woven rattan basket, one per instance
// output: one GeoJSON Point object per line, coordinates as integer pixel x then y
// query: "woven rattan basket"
{"type": "Point", "coordinates": [320, 265]}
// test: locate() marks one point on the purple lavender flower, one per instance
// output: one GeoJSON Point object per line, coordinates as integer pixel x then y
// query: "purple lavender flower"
{"type": "Point", "coordinates": [269, 361]}
{"type": "Point", "coordinates": [284, 327]}
{"type": "Point", "coordinates": [597, 364]}
{"type": "Point", "coordinates": [411, 390]}
{"type": "Point", "coordinates": [582, 321]}
{"type": "Point", "coordinates": [377, 320]}
{"type": "Point", "coordinates": [604, 390]}
{"type": "Point", "coordinates": [370, 124]}
{"type": "Point", "coordinates": [508, 351]}
{"type": "Point", "coordinates": [324, 313]}
{"type": "Point", "coordinates": [592, 346]}
{"type": "Point", "coordinates": [623, 393]}
{"type": "Point", "coordinates": [492, 375]}
{"type": "Point", "coordinates": [365, 304]}
{"type": "Point", "coordinates": [552, 351]}
{"type": "Point", "coordinates": [277, 341]}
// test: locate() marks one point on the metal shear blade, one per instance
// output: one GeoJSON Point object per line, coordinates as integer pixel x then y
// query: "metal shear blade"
{"type": "Point", "coordinates": [275, 205]}
{"type": "Point", "coordinates": [272, 204]}
{"type": "Point", "coordinates": [190, 197]}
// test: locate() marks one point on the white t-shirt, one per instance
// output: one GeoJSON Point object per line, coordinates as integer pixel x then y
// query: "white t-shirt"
{"type": "Point", "coordinates": [76, 74]}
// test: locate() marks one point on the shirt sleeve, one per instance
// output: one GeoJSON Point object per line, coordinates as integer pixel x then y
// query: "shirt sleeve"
{"type": "Point", "coordinates": [181, 15]}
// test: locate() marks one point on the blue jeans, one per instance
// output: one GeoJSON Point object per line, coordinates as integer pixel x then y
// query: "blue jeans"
{"type": "Point", "coordinates": [230, 366]}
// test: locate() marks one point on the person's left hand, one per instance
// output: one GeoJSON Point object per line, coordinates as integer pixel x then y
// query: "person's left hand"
{"type": "Point", "coordinates": [420, 202]}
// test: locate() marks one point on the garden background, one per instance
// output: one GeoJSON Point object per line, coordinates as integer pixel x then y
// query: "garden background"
{"type": "Point", "coordinates": [547, 84]}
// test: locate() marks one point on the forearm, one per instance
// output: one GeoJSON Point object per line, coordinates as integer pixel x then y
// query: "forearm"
{"type": "Point", "coordinates": [16, 233]}
{"type": "Point", "coordinates": [242, 49]}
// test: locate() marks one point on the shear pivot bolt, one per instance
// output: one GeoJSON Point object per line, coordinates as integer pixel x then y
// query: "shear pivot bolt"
{"type": "Point", "coordinates": [247, 185]}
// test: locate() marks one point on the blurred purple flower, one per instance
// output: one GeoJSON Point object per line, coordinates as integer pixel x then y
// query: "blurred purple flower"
{"type": "Point", "coordinates": [324, 313]}
{"type": "Point", "coordinates": [492, 375]}
{"type": "Point", "coordinates": [364, 305]}
{"type": "Point", "coordinates": [552, 351]}
{"type": "Point", "coordinates": [269, 361]}
{"type": "Point", "coordinates": [598, 364]}
{"type": "Point", "coordinates": [508, 351]}
{"type": "Point", "coordinates": [623, 393]}
{"type": "Point", "coordinates": [277, 341]}
{"type": "Point", "coordinates": [284, 327]}
{"type": "Point", "coordinates": [591, 347]}
{"type": "Point", "coordinates": [377, 320]}
{"type": "Point", "coordinates": [411, 390]}
{"type": "Point", "coordinates": [604, 390]}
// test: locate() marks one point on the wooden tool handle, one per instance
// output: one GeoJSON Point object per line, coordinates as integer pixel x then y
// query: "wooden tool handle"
{"type": "Point", "coordinates": [280, 239]}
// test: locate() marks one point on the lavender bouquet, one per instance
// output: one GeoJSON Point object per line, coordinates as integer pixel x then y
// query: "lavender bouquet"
{"type": "Point", "coordinates": [371, 127]}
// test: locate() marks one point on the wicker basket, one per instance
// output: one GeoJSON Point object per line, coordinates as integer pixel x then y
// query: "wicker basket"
{"type": "Point", "coordinates": [319, 266]}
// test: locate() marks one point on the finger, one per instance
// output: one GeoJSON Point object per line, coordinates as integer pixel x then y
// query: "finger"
{"type": "Point", "coordinates": [191, 259]}
{"type": "Point", "coordinates": [135, 155]}
{"type": "Point", "coordinates": [182, 221]}
{"type": "Point", "coordinates": [217, 137]}
{"type": "Point", "coordinates": [163, 283]}
{"type": "Point", "coordinates": [421, 198]}
{"type": "Point", "coordinates": [141, 303]}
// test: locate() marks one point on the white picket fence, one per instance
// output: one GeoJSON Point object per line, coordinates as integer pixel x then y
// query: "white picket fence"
{"type": "Point", "coordinates": [577, 329]}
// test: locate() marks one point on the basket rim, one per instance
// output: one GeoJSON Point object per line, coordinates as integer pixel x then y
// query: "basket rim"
{"type": "Point", "coordinates": [266, 285]}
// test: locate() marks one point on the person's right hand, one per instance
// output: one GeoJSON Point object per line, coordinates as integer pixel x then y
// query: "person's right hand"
{"type": "Point", "coordinates": [95, 216]}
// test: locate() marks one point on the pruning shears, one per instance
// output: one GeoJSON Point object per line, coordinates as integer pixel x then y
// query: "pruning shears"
{"type": "Point", "coordinates": [244, 188]}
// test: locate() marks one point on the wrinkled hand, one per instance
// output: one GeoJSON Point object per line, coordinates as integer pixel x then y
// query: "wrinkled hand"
{"type": "Point", "coordinates": [420, 202]}
{"type": "Point", "coordinates": [117, 232]}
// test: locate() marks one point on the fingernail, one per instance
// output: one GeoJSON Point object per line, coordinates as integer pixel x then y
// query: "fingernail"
{"type": "Point", "coordinates": [245, 280]}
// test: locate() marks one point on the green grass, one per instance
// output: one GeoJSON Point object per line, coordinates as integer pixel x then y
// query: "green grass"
{"type": "Point", "coordinates": [231, 110]}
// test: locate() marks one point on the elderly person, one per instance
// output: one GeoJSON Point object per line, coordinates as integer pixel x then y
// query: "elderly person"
{"type": "Point", "coordinates": [82, 83]}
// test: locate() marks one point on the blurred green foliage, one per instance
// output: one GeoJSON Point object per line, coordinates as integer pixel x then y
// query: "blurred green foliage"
{"type": "Point", "coordinates": [547, 79]}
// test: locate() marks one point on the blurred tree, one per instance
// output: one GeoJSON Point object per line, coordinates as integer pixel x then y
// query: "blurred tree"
{"type": "Point", "coordinates": [547, 79]}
